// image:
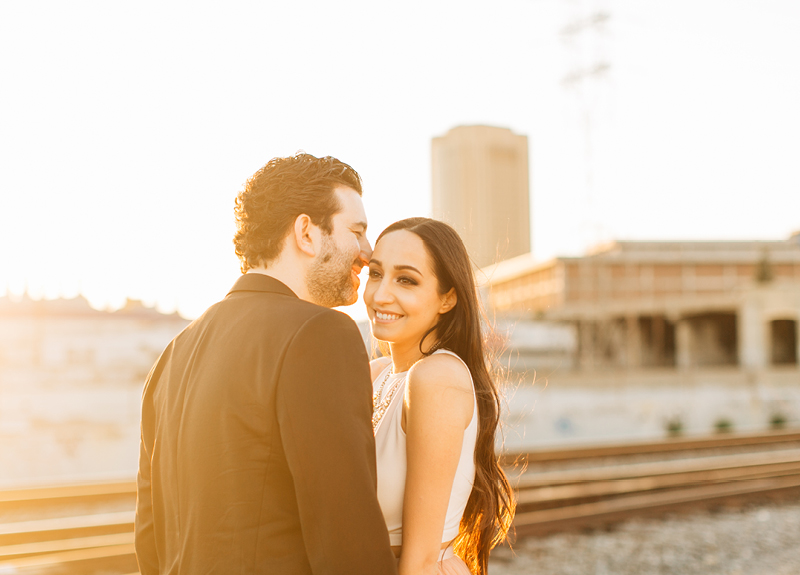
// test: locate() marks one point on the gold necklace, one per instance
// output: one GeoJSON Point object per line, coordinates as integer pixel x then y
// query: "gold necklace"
{"type": "Point", "coordinates": [379, 407]}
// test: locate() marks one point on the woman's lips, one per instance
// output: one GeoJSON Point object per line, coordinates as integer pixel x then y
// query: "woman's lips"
{"type": "Point", "coordinates": [386, 317]}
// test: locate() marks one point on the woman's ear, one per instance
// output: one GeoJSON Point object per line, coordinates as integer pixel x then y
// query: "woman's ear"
{"type": "Point", "coordinates": [449, 301]}
{"type": "Point", "coordinates": [307, 235]}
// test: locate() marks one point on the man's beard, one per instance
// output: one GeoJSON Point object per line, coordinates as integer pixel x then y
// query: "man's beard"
{"type": "Point", "coordinates": [329, 282]}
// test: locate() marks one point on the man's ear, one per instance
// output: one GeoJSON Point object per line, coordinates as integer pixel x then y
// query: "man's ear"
{"type": "Point", "coordinates": [307, 235]}
{"type": "Point", "coordinates": [449, 301]}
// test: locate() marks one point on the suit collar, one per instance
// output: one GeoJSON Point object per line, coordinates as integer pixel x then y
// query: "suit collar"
{"type": "Point", "coordinates": [262, 283]}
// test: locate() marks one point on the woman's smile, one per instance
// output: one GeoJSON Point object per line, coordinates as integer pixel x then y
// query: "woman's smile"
{"type": "Point", "coordinates": [386, 317]}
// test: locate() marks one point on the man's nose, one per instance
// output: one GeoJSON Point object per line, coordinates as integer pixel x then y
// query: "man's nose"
{"type": "Point", "coordinates": [366, 252]}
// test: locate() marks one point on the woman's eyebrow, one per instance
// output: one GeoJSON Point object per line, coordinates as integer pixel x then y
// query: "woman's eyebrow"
{"type": "Point", "coordinates": [399, 267]}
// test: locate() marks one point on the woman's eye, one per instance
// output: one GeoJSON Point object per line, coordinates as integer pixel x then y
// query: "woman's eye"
{"type": "Point", "coordinates": [407, 280]}
{"type": "Point", "coordinates": [374, 274]}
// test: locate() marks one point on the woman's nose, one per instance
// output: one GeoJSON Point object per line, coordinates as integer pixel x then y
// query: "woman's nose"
{"type": "Point", "coordinates": [383, 293]}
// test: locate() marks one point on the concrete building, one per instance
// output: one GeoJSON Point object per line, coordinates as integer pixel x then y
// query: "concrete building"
{"type": "Point", "coordinates": [698, 331]}
{"type": "Point", "coordinates": [480, 187]}
{"type": "Point", "coordinates": [70, 387]}
{"type": "Point", "coordinates": [685, 304]}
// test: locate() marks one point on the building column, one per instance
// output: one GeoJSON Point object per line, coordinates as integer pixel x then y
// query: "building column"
{"type": "Point", "coordinates": [797, 338]}
{"type": "Point", "coordinates": [658, 340]}
{"type": "Point", "coordinates": [683, 343]}
{"type": "Point", "coordinates": [586, 335]}
{"type": "Point", "coordinates": [753, 340]}
{"type": "Point", "coordinates": [633, 340]}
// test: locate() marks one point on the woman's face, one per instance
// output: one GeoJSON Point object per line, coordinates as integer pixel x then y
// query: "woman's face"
{"type": "Point", "coordinates": [402, 293]}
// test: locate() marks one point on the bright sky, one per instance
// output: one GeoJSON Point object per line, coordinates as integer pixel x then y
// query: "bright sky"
{"type": "Point", "coordinates": [126, 129]}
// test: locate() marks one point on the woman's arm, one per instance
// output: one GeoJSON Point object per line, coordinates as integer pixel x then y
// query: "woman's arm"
{"type": "Point", "coordinates": [438, 408]}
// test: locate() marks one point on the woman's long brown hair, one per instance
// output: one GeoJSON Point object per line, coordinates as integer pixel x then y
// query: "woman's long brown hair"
{"type": "Point", "coordinates": [490, 508]}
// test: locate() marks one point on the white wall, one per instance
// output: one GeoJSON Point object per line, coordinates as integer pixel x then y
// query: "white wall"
{"type": "Point", "coordinates": [564, 409]}
{"type": "Point", "coordinates": [70, 393]}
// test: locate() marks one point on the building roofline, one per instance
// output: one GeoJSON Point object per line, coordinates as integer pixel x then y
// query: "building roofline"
{"type": "Point", "coordinates": [77, 307]}
{"type": "Point", "coordinates": [514, 267]}
{"type": "Point", "coordinates": [657, 251]}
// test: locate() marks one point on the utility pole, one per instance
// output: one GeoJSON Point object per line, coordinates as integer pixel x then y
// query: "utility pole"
{"type": "Point", "coordinates": [585, 35]}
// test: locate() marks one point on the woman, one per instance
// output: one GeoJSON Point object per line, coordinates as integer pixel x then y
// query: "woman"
{"type": "Point", "coordinates": [445, 499]}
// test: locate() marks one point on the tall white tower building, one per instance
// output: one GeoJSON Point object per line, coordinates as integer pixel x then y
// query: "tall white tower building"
{"type": "Point", "coordinates": [480, 187]}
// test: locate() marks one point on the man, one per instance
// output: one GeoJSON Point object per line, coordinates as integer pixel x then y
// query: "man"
{"type": "Point", "coordinates": [257, 453]}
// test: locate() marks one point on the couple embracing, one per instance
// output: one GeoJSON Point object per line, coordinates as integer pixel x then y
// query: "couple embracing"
{"type": "Point", "coordinates": [265, 449]}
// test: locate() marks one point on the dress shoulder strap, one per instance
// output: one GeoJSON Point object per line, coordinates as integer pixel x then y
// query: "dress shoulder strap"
{"type": "Point", "coordinates": [458, 357]}
{"type": "Point", "coordinates": [448, 352]}
{"type": "Point", "coordinates": [382, 372]}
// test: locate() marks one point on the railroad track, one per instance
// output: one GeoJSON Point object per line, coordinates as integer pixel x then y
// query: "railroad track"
{"type": "Point", "coordinates": [69, 529]}
{"type": "Point", "coordinates": [594, 496]}
{"type": "Point", "coordinates": [663, 448]}
{"type": "Point", "coordinates": [88, 529]}
{"type": "Point", "coordinates": [583, 487]}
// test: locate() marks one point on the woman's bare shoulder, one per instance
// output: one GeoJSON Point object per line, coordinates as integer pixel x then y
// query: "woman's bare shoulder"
{"type": "Point", "coordinates": [377, 365]}
{"type": "Point", "coordinates": [441, 379]}
{"type": "Point", "coordinates": [441, 369]}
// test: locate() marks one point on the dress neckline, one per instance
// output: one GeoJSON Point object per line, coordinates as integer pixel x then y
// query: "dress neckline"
{"type": "Point", "coordinates": [440, 350]}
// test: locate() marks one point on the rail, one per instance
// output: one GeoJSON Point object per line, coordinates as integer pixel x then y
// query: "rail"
{"type": "Point", "coordinates": [672, 446]}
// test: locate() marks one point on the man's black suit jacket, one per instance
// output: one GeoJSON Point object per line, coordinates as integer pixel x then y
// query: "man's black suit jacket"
{"type": "Point", "coordinates": [257, 453]}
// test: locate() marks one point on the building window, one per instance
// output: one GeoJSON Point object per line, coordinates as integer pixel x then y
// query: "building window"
{"type": "Point", "coordinates": [783, 341]}
{"type": "Point", "coordinates": [714, 339]}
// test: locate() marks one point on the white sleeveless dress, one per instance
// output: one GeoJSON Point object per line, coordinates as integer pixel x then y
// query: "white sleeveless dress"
{"type": "Point", "coordinates": [390, 444]}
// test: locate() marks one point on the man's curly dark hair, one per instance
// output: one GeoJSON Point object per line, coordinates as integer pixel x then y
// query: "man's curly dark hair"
{"type": "Point", "coordinates": [277, 194]}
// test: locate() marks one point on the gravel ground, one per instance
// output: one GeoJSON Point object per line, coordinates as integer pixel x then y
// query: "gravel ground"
{"type": "Point", "coordinates": [751, 541]}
